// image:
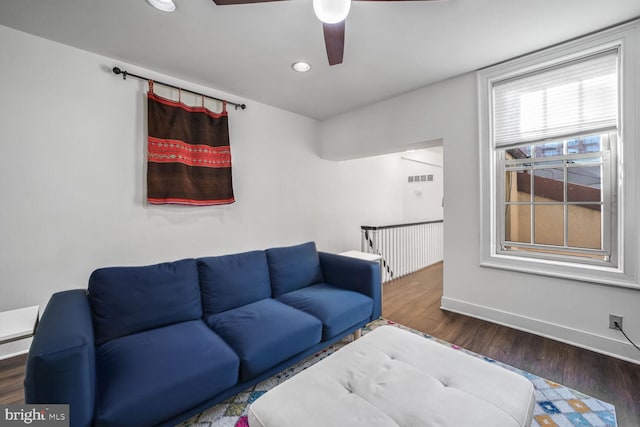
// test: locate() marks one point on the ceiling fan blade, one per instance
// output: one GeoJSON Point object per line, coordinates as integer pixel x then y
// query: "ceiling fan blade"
{"type": "Point", "coordinates": [334, 42]}
{"type": "Point", "coordinates": [226, 2]}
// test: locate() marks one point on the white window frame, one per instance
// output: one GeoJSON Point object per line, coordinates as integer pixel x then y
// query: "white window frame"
{"type": "Point", "coordinates": [623, 272]}
{"type": "Point", "coordinates": [608, 219]}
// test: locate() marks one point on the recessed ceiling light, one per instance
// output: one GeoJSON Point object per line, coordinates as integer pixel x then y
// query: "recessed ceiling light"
{"type": "Point", "coordinates": [301, 66]}
{"type": "Point", "coordinates": [163, 5]}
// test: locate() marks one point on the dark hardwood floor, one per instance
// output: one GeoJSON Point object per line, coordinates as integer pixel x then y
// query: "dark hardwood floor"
{"type": "Point", "coordinates": [11, 377]}
{"type": "Point", "coordinates": [414, 301]}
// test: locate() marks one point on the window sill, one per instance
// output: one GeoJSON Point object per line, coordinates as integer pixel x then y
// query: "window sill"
{"type": "Point", "coordinates": [584, 273]}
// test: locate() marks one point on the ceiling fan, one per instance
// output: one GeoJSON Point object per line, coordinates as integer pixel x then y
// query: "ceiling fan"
{"type": "Point", "coordinates": [332, 13]}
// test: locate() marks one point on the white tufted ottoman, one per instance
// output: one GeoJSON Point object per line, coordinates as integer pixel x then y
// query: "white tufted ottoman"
{"type": "Point", "coordinates": [391, 377]}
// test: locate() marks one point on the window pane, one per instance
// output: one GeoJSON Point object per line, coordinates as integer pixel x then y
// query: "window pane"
{"type": "Point", "coordinates": [517, 186]}
{"type": "Point", "coordinates": [588, 144]}
{"type": "Point", "coordinates": [584, 184]}
{"type": "Point", "coordinates": [522, 152]}
{"type": "Point", "coordinates": [549, 149]}
{"type": "Point", "coordinates": [549, 184]}
{"type": "Point", "coordinates": [518, 223]}
{"type": "Point", "coordinates": [584, 226]}
{"type": "Point", "coordinates": [549, 225]}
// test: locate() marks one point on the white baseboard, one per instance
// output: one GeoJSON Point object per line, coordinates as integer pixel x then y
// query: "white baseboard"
{"type": "Point", "coordinates": [587, 340]}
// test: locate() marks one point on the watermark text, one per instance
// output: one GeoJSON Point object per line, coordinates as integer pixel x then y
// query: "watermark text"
{"type": "Point", "coordinates": [36, 415]}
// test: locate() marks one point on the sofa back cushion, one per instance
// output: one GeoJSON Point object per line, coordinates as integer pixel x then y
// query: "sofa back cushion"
{"type": "Point", "coordinates": [126, 300]}
{"type": "Point", "coordinates": [293, 267]}
{"type": "Point", "coordinates": [231, 281]}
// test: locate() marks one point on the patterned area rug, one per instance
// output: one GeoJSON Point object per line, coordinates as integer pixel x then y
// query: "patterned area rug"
{"type": "Point", "coordinates": [557, 405]}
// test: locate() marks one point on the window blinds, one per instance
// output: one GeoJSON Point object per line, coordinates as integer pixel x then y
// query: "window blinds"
{"type": "Point", "coordinates": [576, 97]}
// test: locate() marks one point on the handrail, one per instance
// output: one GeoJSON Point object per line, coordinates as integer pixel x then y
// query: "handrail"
{"type": "Point", "coordinates": [383, 227]}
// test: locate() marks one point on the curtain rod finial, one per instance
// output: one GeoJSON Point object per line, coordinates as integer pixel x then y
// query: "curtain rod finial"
{"type": "Point", "coordinates": [117, 70]}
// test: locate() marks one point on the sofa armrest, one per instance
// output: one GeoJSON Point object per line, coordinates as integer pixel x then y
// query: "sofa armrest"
{"type": "Point", "coordinates": [355, 275]}
{"type": "Point", "coordinates": [61, 362]}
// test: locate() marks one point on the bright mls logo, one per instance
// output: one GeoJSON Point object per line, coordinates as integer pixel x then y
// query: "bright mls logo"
{"type": "Point", "coordinates": [37, 415]}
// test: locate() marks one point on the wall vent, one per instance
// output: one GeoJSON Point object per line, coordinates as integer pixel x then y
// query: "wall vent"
{"type": "Point", "coordinates": [420, 178]}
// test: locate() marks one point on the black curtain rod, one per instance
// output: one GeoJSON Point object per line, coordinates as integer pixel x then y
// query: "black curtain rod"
{"type": "Point", "coordinates": [124, 73]}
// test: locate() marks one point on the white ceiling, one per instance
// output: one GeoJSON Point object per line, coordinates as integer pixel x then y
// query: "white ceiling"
{"type": "Point", "coordinates": [391, 47]}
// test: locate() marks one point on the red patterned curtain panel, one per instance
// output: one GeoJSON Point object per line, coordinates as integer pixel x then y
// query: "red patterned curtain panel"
{"type": "Point", "coordinates": [189, 157]}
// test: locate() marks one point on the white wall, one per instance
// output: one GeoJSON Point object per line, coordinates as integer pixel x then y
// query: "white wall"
{"type": "Point", "coordinates": [566, 310]}
{"type": "Point", "coordinates": [73, 172]}
{"type": "Point", "coordinates": [423, 199]}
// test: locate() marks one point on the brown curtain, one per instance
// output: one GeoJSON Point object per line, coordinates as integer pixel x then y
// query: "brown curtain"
{"type": "Point", "coordinates": [189, 157]}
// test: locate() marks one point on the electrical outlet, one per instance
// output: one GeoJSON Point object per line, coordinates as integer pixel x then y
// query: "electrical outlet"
{"type": "Point", "coordinates": [613, 319]}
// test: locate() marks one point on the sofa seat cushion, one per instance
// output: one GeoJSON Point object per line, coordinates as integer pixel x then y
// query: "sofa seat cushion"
{"type": "Point", "coordinates": [151, 376]}
{"type": "Point", "coordinates": [127, 300]}
{"type": "Point", "coordinates": [293, 267]}
{"type": "Point", "coordinates": [231, 281]}
{"type": "Point", "coordinates": [265, 333]}
{"type": "Point", "coordinates": [338, 309]}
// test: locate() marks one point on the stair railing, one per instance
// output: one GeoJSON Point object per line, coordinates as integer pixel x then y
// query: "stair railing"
{"type": "Point", "coordinates": [404, 248]}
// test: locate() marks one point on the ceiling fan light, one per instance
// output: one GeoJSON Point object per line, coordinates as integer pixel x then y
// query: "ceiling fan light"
{"type": "Point", "coordinates": [163, 5]}
{"type": "Point", "coordinates": [331, 11]}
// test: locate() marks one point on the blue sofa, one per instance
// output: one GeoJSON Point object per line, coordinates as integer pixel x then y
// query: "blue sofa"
{"type": "Point", "coordinates": [154, 345]}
